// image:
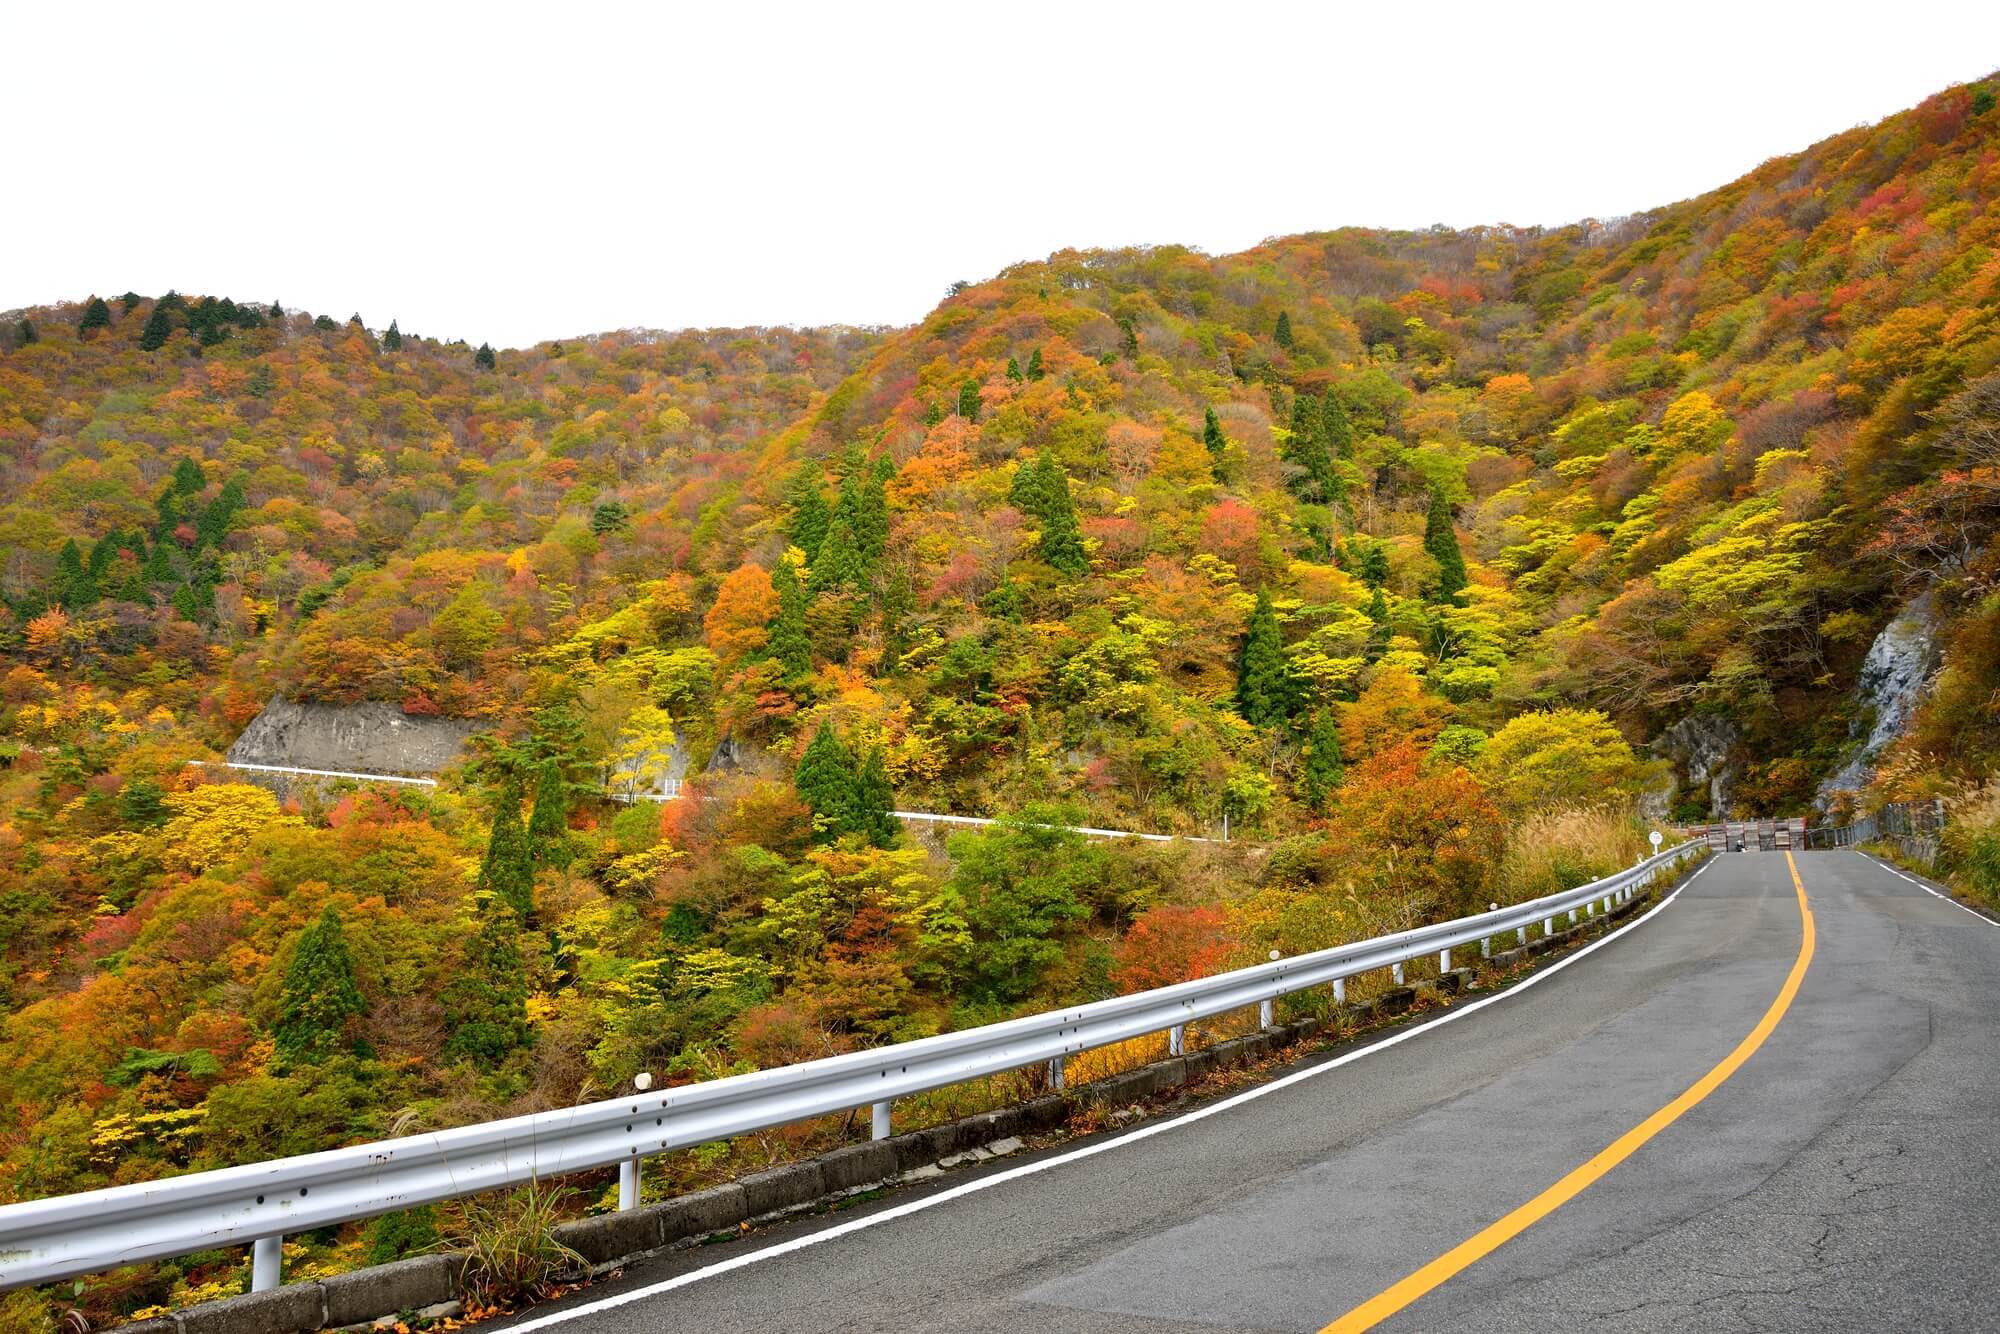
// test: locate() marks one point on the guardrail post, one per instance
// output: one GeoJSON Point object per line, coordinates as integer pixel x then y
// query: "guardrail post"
{"type": "Point", "coordinates": [267, 1261]}
{"type": "Point", "coordinates": [1444, 962]}
{"type": "Point", "coordinates": [1486, 948]}
{"type": "Point", "coordinates": [1340, 991]}
{"type": "Point", "coordinates": [628, 1184]}
{"type": "Point", "coordinates": [1524, 935]}
{"type": "Point", "coordinates": [1177, 1040]}
{"type": "Point", "coordinates": [878, 1123]}
{"type": "Point", "coordinates": [1396, 971]}
{"type": "Point", "coordinates": [1548, 926]}
{"type": "Point", "coordinates": [1055, 1072]}
{"type": "Point", "coordinates": [1264, 1016]}
{"type": "Point", "coordinates": [1572, 917]}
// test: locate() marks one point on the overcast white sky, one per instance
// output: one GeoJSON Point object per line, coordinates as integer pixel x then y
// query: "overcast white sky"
{"type": "Point", "coordinates": [521, 173]}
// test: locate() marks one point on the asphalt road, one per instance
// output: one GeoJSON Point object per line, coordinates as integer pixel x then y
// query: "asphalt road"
{"type": "Point", "coordinates": [1847, 1176]}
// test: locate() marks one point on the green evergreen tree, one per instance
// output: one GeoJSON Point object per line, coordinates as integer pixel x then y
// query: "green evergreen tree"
{"type": "Point", "coordinates": [1003, 603]}
{"type": "Point", "coordinates": [1282, 335]}
{"type": "Point", "coordinates": [216, 517]}
{"type": "Point", "coordinates": [548, 824]}
{"type": "Point", "coordinates": [1035, 371]}
{"type": "Point", "coordinates": [872, 814]}
{"type": "Point", "coordinates": [96, 315]}
{"type": "Point", "coordinates": [72, 587]}
{"type": "Point", "coordinates": [130, 301]}
{"type": "Point", "coordinates": [790, 647]}
{"type": "Point", "coordinates": [840, 564]}
{"type": "Point", "coordinates": [483, 359]}
{"type": "Point", "coordinates": [508, 871]}
{"type": "Point", "coordinates": [275, 313]}
{"type": "Point", "coordinates": [610, 517]}
{"type": "Point", "coordinates": [320, 996]}
{"type": "Point", "coordinates": [810, 518]}
{"type": "Point", "coordinates": [189, 476]}
{"type": "Point", "coordinates": [262, 381]}
{"type": "Point", "coordinates": [24, 333]}
{"type": "Point", "coordinates": [825, 781]}
{"type": "Point", "coordinates": [392, 341]}
{"type": "Point", "coordinates": [968, 400]}
{"type": "Point", "coordinates": [159, 327]}
{"type": "Point", "coordinates": [1212, 436]}
{"type": "Point", "coordinates": [1131, 340]}
{"type": "Point", "coordinates": [1014, 370]}
{"type": "Point", "coordinates": [1264, 691]}
{"type": "Point", "coordinates": [158, 570]}
{"type": "Point", "coordinates": [1336, 429]}
{"type": "Point", "coordinates": [1442, 543]}
{"type": "Point", "coordinates": [486, 1002]}
{"type": "Point", "coordinates": [1378, 616]}
{"type": "Point", "coordinates": [1324, 768]}
{"type": "Point", "coordinates": [324, 324]}
{"type": "Point", "coordinates": [1061, 543]}
{"type": "Point", "coordinates": [1315, 480]}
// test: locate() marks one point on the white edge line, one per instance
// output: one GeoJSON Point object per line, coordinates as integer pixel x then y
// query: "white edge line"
{"type": "Point", "coordinates": [1927, 889]}
{"type": "Point", "coordinates": [1090, 1150]}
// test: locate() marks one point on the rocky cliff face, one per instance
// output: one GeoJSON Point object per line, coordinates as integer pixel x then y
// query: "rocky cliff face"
{"type": "Point", "coordinates": [1699, 747]}
{"type": "Point", "coordinates": [1899, 665]}
{"type": "Point", "coordinates": [365, 738]}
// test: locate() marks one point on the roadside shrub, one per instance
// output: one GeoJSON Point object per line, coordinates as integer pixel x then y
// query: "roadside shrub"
{"type": "Point", "coordinates": [1551, 851]}
{"type": "Point", "coordinates": [510, 1247]}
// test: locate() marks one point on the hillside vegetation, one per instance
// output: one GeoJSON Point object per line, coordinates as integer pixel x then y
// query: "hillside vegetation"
{"type": "Point", "coordinates": [1397, 549]}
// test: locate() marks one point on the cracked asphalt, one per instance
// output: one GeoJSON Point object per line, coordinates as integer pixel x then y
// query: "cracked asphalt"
{"type": "Point", "coordinates": [1846, 1177]}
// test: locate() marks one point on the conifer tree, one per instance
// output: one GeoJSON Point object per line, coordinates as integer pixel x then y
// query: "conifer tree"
{"type": "Point", "coordinates": [1325, 770]}
{"type": "Point", "coordinates": [486, 1002]}
{"type": "Point", "coordinates": [1212, 436]}
{"type": "Point", "coordinates": [72, 586]}
{"type": "Point", "coordinates": [548, 823]}
{"type": "Point", "coordinates": [508, 871]}
{"type": "Point", "coordinates": [24, 333]}
{"type": "Point", "coordinates": [218, 514]}
{"type": "Point", "coordinates": [320, 995]}
{"type": "Point", "coordinates": [864, 497]}
{"type": "Point", "coordinates": [1442, 543]}
{"type": "Point", "coordinates": [276, 312]}
{"type": "Point", "coordinates": [825, 780]}
{"type": "Point", "coordinates": [392, 341]}
{"type": "Point", "coordinates": [1014, 370]}
{"type": "Point", "coordinates": [483, 359]}
{"type": "Point", "coordinates": [1035, 371]}
{"type": "Point", "coordinates": [1263, 684]}
{"type": "Point", "coordinates": [189, 476]}
{"type": "Point", "coordinates": [1131, 342]}
{"type": "Point", "coordinates": [1378, 615]}
{"type": "Point", "coordinates": [96, 315]}
{"type": "Point", "coordinates": [130, 301]}
{"type": "Point", "coordinates": [262, 381]}
{"type": "Point", "coordinates": [159, 327]}
{"type": "Point", "coordinates": [840, 564]}
{"type": "Point", "coordinates": [968, 401]}
{"type": "Point", "coordinates": [1282, 335]}
{"type": "Point", "coordinates": [1306, 450]}
{"type": "Point", "coordinates": [789, 645]}
{"type": "Point", "coordinates": [1061, 543]}
{"type": "Point", "coordinates": [1335, 427]}
{"type": "Point", "coordinates": [807, 526]}
{"type": "Point", "coordinates": [872, 815]}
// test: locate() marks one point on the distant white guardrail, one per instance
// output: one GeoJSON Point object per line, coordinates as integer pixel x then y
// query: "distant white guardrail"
{"type": "Point", "coordinates": [312, 773]}
{"type": "Point", "coordinates": [257, 1204]}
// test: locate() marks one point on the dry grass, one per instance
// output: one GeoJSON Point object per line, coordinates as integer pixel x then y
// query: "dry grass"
{"type": "Point", "coordinates": [510, 1247]}
{"type": "Point", "coordinates": [1561, 849]}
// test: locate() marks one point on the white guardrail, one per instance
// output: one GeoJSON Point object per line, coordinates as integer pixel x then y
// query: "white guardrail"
{"type": "Point", "coordinates": [256, 1204]}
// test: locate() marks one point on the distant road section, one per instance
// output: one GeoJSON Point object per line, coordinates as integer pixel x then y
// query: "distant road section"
{"type": "Point", "coordinates": [314, 773]}
{"type": "Point", "coordinates": [1840, 1175]}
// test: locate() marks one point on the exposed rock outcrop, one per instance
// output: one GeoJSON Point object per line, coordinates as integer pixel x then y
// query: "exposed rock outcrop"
{"type": "Point", "coordinates": [1701, 747]}
{"type": "Point", "coordinates": [362, 738]}
{"type": "Point", "coordinates": [1899, 665]}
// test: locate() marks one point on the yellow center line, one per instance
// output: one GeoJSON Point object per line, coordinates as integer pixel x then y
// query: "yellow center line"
{"type": "Point", "coordinates": [1477, 1247]}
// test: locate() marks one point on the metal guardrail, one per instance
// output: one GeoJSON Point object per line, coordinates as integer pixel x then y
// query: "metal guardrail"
{"type": "Point", "coordinates": [257, 1204]}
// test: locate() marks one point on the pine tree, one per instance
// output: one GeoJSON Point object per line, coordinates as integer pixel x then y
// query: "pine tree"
{"type": "Point", "coordinates": [483, 359]}
{"type": "Point", "coordinates": [159, 327]}
{"type": "Point", "coordinates": [806, 528]}
{"type": "Point", "coordinates": [1003, 603]}
{"type": "Point", "coordinates": [508, 872]}
{"type": "Point", "coordinates": [96, 315]}
{"type": "Point", "coordinates": [130, 301]}
{"type": "Point", "coordinates": [789, 646]}
{"type": "Point", "coordinates": [1306, 450]}
{"type": "Point", "coordinates": [825, 780]}
{"type": "Point", "coordinates": [1035, 371]}
{"type": "Point", "coordinates": [1325, 770]}
{"type": "Point", "coordinates": [1442, 543]}
{"type": "Point", "coordinates": [1263, 684]}
{"type": "Point", "coordinates": [320, 995]}
{"type": "Point", "coordinates": [968, 401]}
{"type": "Point", "coordinates": [275, 313]}
{"type": "Point", "coordinates": [72, 587]}
{"type": "Point", "coordinates": [324, 324]}
{"type": "Point", "coordinates": [1335, 427]}
{"type": "Point", "coordinates": [1131, 343]}
{"type": "Point", "coordinates": [548, 824]}
{"type": "Point", "coordinates": [872, 815]}
{"type": "Point", "coordinates": [610, 517]}
{"type": "Point", "coordinates": [1014, 370]}
{"type": "Point", "coordinates": [262, 381]}
{"type": "Point", "coordinates": [1061, 543]}
{"type": "Point", "coordinates": [1212, 436]}
{"type": "Point", "coordinates": [1378, 616]}
{"type": "Point", "coordinates": [189, 477]}
{"type": "Point", "coordinates": [840, 564]}
{"type": "Point", "coordinates": [24, 333]}
{"type": "Point", "coordinates": [392, 341]}
{"type": "Point", "coordinates": [486, 1003]}
{"type": "Point", "coordinates": [218, 514]}
{"type": "Point", "coordinates": [1282, 335]}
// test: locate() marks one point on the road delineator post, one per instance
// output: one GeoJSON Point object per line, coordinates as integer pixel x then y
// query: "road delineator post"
{"type": "Point", "coordinates": [267, 1263]}
{"type": "Point", "coordinates": [878, 1120]}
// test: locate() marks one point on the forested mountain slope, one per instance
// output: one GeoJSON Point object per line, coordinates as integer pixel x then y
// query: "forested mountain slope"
{"type": "Point", "coordinates": [1410, 535]}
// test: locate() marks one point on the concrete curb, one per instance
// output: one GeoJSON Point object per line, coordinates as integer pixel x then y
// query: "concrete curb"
{"type": "Point", "coordinates": [432, 1284]}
